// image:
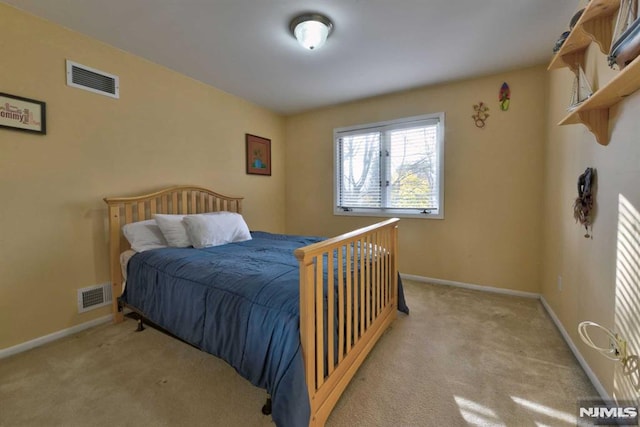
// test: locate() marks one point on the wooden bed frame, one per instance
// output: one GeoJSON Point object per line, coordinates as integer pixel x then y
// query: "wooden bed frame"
{"type": "Point", "coordinates": [359, 325]}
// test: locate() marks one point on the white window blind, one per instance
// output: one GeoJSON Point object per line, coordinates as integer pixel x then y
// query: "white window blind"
{"type": "Point", "coordinates": [391, 168]}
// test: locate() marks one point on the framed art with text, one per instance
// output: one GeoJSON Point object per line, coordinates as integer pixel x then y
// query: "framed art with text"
{"type": "Point", "coordinates": [22, 114]}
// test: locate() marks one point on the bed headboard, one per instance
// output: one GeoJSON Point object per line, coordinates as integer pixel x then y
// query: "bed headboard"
{"type": "Point", "coordinates": [183, 200]}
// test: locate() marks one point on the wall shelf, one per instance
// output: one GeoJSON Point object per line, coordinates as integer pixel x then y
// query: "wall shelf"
{"type": "Point", "coordinates": [596, 24]}
{"type": "Point", "coordinates": [594, 112]}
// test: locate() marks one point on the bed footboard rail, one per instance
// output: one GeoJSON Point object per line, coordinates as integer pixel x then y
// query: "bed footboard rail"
{"type": "Point", "coordinates": [348, 297]}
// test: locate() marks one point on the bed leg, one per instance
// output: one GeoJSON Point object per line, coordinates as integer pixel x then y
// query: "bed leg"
{"type": "Point", "coordinates": [266, 409]}
{"type": "Point", "coordinates": [140, 325]}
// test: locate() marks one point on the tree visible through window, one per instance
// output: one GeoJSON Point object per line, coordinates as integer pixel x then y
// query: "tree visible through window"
{"type": "Point", "coordinates": [391, 168]}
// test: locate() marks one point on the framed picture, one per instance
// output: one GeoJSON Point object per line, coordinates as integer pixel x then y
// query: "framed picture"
{"type": "Point", "coordinates": [258, 155]}
{"type": "Point", "coordinates": [23, 114]}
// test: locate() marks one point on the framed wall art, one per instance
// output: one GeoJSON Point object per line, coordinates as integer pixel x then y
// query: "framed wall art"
{"type": "Point", "coordinates": [22, 114]}
{"type": "Point", "coordinates": [258, 155]}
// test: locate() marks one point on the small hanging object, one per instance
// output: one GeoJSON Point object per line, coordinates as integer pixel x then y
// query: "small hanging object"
{"type": "Point", "coordinates": [481, 114]}
{"type": "Point", "coordinates": [583, 206]}
{"type": "Point", "coordinates": [504, 97]}
{"type": "Point", "coordinates": [581, 89]}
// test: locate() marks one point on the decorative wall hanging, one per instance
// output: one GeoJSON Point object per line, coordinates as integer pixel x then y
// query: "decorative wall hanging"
{"type": "Point", "coordinates": [504, 96]}
{"type": "Point", "coordinates": [258, 155]}
{"type": "Point", "coordinates": [481, 114]}
{"type": "Point", "coordinates": [583, 206]}
{"type": "Point", "coordinates": [22, 114]}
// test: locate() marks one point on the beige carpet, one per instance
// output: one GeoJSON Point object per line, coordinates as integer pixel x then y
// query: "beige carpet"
{"type": "Point", "coordinates": [461, 358]}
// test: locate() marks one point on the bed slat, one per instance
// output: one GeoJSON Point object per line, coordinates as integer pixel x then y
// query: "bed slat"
{"type": "Point", "coordinates": [331, 333]}
{"type": "Point", "coordinates": [341, 303]}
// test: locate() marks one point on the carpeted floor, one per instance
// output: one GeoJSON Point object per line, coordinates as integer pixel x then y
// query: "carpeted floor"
{"type": "Point", "coordinates": [461, 358]}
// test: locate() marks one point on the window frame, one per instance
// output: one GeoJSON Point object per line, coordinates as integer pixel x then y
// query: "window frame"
{"type": "Point", "coordinates": [391, 125]}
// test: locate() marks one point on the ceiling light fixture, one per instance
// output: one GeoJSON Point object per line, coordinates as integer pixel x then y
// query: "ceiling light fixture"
{"type": "Point", "coordinates": [311, 30]}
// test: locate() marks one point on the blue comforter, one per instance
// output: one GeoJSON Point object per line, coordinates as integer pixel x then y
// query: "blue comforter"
{"type": "Point", "coordinates": [239, 302]}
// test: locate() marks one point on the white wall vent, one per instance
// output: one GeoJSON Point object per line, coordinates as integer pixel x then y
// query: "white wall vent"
{"type": "Point", "coordinates": [93, 80]}
{"type": "Point", "coordinates": [94, 297]}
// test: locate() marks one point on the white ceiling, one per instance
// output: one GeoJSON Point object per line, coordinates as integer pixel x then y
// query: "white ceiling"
{"type": "Point", "coordinates": [378, 46]}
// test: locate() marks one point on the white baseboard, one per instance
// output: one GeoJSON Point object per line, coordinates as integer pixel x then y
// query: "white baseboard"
{"type": "Point", "coordinates": [594, 380]}
{"type": "Point", "coordinates": [470, 286]}
{"type": "Point", "coordinates": [6, 352]}
{"type": "Point", "coordinates": [581, 360]}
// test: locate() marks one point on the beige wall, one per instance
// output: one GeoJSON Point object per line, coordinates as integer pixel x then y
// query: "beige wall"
{"type": "Point", "coordinates": [165, 129]}
{"type": "Point", "coordinates": [600, 276]}
{"type": "Point", "coordinates": [493, 179]}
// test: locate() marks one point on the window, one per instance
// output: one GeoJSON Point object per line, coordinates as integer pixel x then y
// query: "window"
{"type": "Point", "coordinates": [392, 168]}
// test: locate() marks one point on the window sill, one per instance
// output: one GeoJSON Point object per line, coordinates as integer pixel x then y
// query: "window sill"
{"type": "Point", "coordinates": [382, 214]}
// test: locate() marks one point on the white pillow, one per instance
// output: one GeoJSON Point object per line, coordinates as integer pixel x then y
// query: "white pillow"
{"type": "Point", "coordinates": [173, 230]}
{"type": "Point", "coordinates": [144, 235]}
{"type": "Point", "coordinates": [216, 229]}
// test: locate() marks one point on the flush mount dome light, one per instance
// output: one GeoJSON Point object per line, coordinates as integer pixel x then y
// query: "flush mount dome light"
{"type": "Point", "coordinates": [311, 30]}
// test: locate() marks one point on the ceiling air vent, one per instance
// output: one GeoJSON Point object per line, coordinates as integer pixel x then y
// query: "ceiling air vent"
{"type": "Point", "coordinates": [93, 80]}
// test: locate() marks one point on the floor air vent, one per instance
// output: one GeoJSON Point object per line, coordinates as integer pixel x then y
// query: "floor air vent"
{"type": "Point", "coordinates": [94, 297]}
{"type": "Point", "coordinates": [93, 80]}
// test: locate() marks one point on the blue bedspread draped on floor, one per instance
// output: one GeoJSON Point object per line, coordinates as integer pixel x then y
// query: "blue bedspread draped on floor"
{"type": "Point", "coordinates": [239, 302]}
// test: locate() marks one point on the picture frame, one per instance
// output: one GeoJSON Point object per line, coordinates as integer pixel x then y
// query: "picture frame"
{"type": "Point", "coordinates": [258, 155]}
{"type": "Point", "coordinates": [23, 114]}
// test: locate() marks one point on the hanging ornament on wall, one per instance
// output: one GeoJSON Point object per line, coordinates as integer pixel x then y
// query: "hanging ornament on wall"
{"type": "Point", "coordinates": [583, 206]}
{"type": "Point", "coordinates": [481, 114]}
{"type": "Point", "coordinates": [504, 97]}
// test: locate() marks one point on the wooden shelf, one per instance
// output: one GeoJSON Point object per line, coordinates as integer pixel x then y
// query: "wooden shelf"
{"type": "Point", "coordinates": [594, 112]}
{"type": "Point", "coordinates": [595, 24]}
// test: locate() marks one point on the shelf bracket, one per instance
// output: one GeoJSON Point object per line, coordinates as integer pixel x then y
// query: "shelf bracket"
{"type": "Point", "coordinates": [597, 121]}
{"type": "Point", "coordinates": [574, 59]}
{"type": "Point", "coordinates": [600, 29]}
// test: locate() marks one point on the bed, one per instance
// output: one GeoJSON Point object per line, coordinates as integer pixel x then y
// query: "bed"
{"type": "Point", "coordinates": [298, 326]}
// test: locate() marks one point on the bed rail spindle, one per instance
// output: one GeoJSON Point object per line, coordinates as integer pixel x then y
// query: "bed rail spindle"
{"type": "Point", "coordinates": [193, 208]}
{"type": "Point", "coordinates": [388, 267]}
{"type": "Point", "coordinates": [379, 283]}
{"type": "Point", "coordinates": [152, 207]}
{"type": "Point", "coordinates": [114, 254]}
{"type": "Point", "coordinates": [202, 207]}
{"type": "Point", "coordinates": [184, 208]}
{"type": "Point", "coordinates": [141, 211]}
{"type": "Point", "coordinates": [385, 274]}
{"type": "Point", "coordinates": [307, 323]}
{"type": "Point", "coordinates": [319, 322]}
{"type": "Point", "coordinates": [367, 280]}
{"type": "Point", "coordinates": [165, 204]}
{"type": "Point", "coordinates": [174, 203]}
{"type": "Point", "coordinates": [341, 308]}
{"type": "Point", "coordinates": [128, 213]}
{"type": "Point", "coordinates": [361, 286]}
{"type": "Point", "coordinates": [331, 332]}
{"type": "Point", "coordinates": [349, 292]}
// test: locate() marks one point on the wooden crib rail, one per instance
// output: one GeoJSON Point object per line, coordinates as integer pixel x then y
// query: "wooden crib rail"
{"type": "Point", "coordinates": [348, 297]}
